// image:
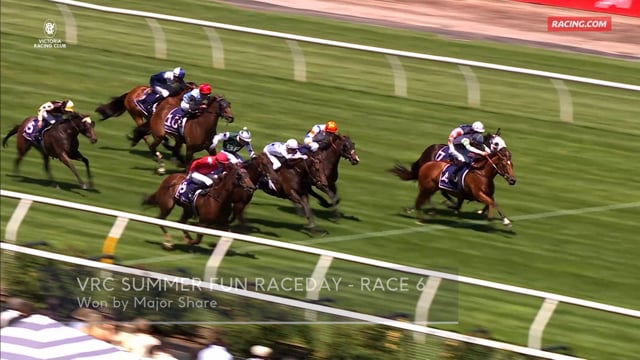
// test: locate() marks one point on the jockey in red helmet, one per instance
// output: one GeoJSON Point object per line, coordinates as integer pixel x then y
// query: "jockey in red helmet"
{"type": "Point", "coordinates": [202, 172]}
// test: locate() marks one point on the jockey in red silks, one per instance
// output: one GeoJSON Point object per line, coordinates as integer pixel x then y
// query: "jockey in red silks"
{"type": "Point", "coordinates": [202, 172]}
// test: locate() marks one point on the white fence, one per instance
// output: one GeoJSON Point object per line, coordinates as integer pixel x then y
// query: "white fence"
{"type": "Point", "coordinates": [392, 56]}
{"type": "Point", "coordinates": [549, 300]}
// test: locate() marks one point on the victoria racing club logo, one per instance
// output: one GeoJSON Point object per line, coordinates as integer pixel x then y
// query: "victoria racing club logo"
{"type": "Point", "coordinates": [49, 41]}
{"type": "Point", "coordinates": [49, 28]}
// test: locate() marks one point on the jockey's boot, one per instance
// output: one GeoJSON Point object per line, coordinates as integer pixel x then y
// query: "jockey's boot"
{"type": "Point", "coordinates": [456, 171]}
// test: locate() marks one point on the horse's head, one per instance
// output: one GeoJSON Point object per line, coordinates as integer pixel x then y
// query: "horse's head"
{"type": "Point", "coordinates": [243, 179]}
{"type": "Point", "coordinates": [223, 108]}
{"type": "Point", "coordinates": [85, 125]}
{"type": "Point", "coordinates": [502, 162]}
{"type": "Point", "coordinates": [348, 150]}
{"type": "Point", "coordinates": [316, 175]}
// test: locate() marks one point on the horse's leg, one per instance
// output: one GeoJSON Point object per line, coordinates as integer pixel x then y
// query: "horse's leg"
{"type": "Point", "coordinates": [324, 203]}
{"type": "Point", "coordinates": [304, 202]}
{"type": "Point", "coordinates": [505, 220]}
{"type": "Point", "coordinates": [424, 195]}
{"type": "Point", "coordinates": [186, 215]}
{"type": "Point", "coordinates": [47, 169]}
{"type": "Point", "coordinates": [160, 169]}
{"type": "Point", "coordinates": [140, 132]}
{"type": "Point", "coordinates": [490, 203]}
{"type": "Point", "coordinates": [21, 153]}
{"type": "Point", "coordinates": [67, 161]}
{"type": "Point", "coordinates": [458, 205]}
{"type": "Point", "coordinates": [181, 160]}
{"type": "Point", "coordinates": [81, 157]}
{"type": "Point", "coordinates": [452, 204]}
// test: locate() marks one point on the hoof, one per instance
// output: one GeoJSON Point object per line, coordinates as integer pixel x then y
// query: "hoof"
{"type": "Point", "coordinates": [84, 186]}
{"type": "Point", "coordinates": [167, 245]}
{"type": "Point", "coordinates": [431, 213]}
{"type": "Point", "coordinates": [480, 212]}
{"type": "Point", "coordinates": [409, 210]}
{"type": "Point", "coordinates": [506, 222]}
{"type": "Point", "coordinates": [161, 171]}
{"type": "Point", "coordinates": [420, 222]}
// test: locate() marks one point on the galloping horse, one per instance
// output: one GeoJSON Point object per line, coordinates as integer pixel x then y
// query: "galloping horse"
{"type": "Point", "coordinates": [329, 153]}
{"type": "Point", "coordinates": [211, 207]}
{"type": "Point", "coordinates": [196, 133]}
{"type": "Point", "coordinates": [126, 102]}
{"type": "Point", "coordinates": [293, 182]}
{"type": "Point", "coordinates": [477, 184]}
{"type": "Point", "coordinates": [432, 153]}
{"type": "Point", "coordinates": [439, 152]}
{"type": "Point", "coordinates": [58, 141]}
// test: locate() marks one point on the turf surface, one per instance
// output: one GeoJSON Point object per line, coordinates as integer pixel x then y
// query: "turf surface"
{"type": "Point", "coordinates": [586, 167]}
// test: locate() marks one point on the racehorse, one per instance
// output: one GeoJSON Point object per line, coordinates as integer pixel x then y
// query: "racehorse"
{"type": "Point", "coordinates": [196, 133]}
{"type": "Point", "coordinates": [331, 149]}
{"type": "Point", "coordinates": [293, 181]}
{"type": "Point", "coordinates": [477, 184]}
{"type": "Point", "coordinates": [440, 152]}
{"type": "Point", "coordinates": [60, 141]}
{"type": "Point", "coordinates": [127, 102]}
{"type": "Point", "coordinates": [211, 207]}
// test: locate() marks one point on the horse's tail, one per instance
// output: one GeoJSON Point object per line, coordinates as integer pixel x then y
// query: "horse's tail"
{"type": "Point", "coordinates": [415, 169]}
{"type": "Point", "coordinates": [10, 134]}
{"type": "Point", "coordinates": [403, 173]}
{"type": "Point", "coordinates": [150, 200]}
{"type": "Point", "coordinates": [113, 109]}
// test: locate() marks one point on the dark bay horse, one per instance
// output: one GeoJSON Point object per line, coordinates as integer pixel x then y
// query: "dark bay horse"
{"type": "Point", "coordinates": [59, 141]}
{"type": "Point", "coordinates": [331, 149]}
{"type": "Point", "coordinates": [126, 102]}
{"type": "Point", "coordinates": [477, 184]}
{"type": "Point", "coordinates": [196, 134]}
{"type": "Point", "coordinates": [211, 207]}
{"type": "Point", "coordinates": [293, 181]}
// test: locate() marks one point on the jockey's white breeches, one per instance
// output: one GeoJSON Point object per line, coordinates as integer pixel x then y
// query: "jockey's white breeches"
{"type": "Point", "coordinates": [201, 179]}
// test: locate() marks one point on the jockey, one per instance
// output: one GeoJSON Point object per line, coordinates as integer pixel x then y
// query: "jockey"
{"type": "Point", "coordinates": [163, 84]}
{"type": "Point", "coordinates": [288, 150]}
{"type": "Point", "coordinates": [318, 133]}
{"type": "Point", "coordinates": [52, 111]}
{"type": "Point", "coordinates": [196, 99]}
{"type": "Point", "coordinates": [232, 143]}
{"type": "Point", "coordinates": [202, 172]}
{"type": "Point", "coordinates": [465, 139]}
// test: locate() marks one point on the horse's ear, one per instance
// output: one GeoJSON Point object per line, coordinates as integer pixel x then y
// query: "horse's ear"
{"type": "Point", "coordinates": [498, 132]}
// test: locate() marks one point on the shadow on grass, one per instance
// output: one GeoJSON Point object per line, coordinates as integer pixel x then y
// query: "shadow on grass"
{"type": "Point", "coordinates": [464, 220]}
{"type": "Point", "coordinates": [73, 188]}
{"type": "Point", "coordinates": [324, 214]}
{"type": "Point", "coordinates": [204, 248]}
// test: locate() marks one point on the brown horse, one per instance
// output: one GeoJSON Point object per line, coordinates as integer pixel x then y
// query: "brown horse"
{"type": "Point", "coordinates": [293, 181]}
{"type": "Point", "coordinates": [197, 132]}
{"type": "Point", "coordinates": [331, 149]}
{"type": "Point", "coordinates": [439, 152]}
{"type": "Point", "coordinates": [127, 102]}
{"type": "Point", "coordinates": [211, 207]}
{"type": "Point", "coordinates": [58, 141]}
{"type": "Point", "coordinates": [477, 183]}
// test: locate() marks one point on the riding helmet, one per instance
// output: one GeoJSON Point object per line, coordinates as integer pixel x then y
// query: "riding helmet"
{"type": "Point", "coordinates": [331, 126]}
{"type": "Point", "coordinates": [244, 135]}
